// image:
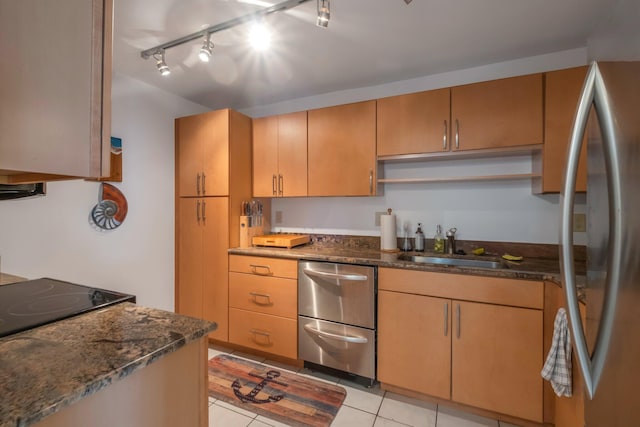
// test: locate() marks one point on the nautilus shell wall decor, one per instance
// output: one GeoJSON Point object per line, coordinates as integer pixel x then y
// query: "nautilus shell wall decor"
{"type": "Point", "coordinates": [111, 209]}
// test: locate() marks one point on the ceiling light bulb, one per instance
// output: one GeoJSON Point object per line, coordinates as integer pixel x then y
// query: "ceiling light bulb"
{"type": "Point", "coordinates": [259, 37]}
{"type": "Point", "coordinates": [324, 13]}
{"type": "Point", "coordinates": [162, 66]}
{"type": "Point", "coordinates": [205, 50]}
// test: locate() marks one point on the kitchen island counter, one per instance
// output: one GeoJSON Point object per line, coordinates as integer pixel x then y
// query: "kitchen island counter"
{"type": "Point", "coordinates": [46, 369]}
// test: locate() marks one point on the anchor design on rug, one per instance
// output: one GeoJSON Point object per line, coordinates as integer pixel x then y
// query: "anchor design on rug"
{"type": "Point", "coordinates": [251, 396]}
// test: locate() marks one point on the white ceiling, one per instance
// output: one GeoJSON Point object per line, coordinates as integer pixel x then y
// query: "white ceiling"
{"type": "Point", "coordinates": [368, 42]}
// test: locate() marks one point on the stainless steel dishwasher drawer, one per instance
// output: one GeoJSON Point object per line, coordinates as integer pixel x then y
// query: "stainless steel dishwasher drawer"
{"type": "Point", "coordinates": [344, 347]}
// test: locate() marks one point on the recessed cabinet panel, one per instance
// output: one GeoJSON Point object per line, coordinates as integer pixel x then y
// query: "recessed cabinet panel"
{"type": "Point", "coordinates": [414, 123]}
{"type": "Point", "coordinates": [497, 113]}
{"type": "Point", "coordinates": [342, 150]}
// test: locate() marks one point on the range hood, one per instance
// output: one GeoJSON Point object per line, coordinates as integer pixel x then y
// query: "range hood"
{"type": "Point", "coordinates": [18, 191]}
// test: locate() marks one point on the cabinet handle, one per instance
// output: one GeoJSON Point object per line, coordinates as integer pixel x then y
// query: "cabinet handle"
{"type": "Point", "coordinates": [444, 136]}
{"type": "Point", "coordinates": [457, 320]}
{"type": "Point", "coordinates": [257, 295]}
{"type": "Point", "coordinates": [281, 184]}
{"type": "Point", "coordinates": [204, 208]}
{"type": "Point", "coordinates": [260, 333]}
{"type": "Point", "coordinates": [198, 184]}
{"type": "Point", "coordinates": [446, 319]}
{"type": "Point", "coordinates": [274, 185]}
{"type": "Point", "coordinates": [370, 181]}
{"type": "Point", "coordinates": [255, 269]}
{"type": "Point", "coordinates": [204, 185]}
{"type": "Point", "coordinates": [198, 211]}
{"type": "Point", "coordinates": [457, 134]}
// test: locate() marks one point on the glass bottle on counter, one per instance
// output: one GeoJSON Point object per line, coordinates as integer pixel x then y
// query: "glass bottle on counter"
{"type": "Point", "coordinates": [419, 239]}
{"type": "Point", "coordinates": [438, 241]}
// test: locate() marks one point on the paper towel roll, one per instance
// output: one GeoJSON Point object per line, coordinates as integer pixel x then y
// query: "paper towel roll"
{"type": "Point", "coordinates": [388, 238]}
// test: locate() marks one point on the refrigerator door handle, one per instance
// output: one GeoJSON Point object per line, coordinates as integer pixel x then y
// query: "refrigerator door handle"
{"type": "Point", "coordinates": [594, 93]}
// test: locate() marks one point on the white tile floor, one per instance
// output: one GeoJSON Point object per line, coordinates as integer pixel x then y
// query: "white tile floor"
{"type": "Point", "coordinates": [363, 407]}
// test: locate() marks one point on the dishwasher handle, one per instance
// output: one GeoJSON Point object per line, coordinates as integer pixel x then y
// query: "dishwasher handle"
{"type": "Point", "coordinates": [354, 340]}
{"type": "Point", "coordinates": [340, 276]}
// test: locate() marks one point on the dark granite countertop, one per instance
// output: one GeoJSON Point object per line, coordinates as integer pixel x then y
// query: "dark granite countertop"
{"type": "Point", "coordinates": [530, 268]}
{"type": "Point", "coordinates": [45, 369]}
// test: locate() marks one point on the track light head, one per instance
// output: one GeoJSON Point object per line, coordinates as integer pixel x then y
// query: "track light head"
{"type": "Point", "coordinates": [324, 13]}
{"type": "Point", "coordinates": [162, 66]}
{"type": "Point", "coordinates": [205, 51]}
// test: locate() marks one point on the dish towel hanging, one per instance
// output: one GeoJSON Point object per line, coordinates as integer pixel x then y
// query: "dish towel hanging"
{"type": "Point", "coordinates": [557, 368]}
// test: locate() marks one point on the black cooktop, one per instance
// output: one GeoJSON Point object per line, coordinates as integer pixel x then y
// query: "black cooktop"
{"type": "Point", "coordinates": [25, 305]}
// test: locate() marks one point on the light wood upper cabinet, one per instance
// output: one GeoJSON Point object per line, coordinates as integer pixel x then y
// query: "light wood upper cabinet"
{"type": "Point", "coordinates": [497, 113]}
{"type": "Point", "coordinates": [414, 123]}
{"type": "Point", "coordinates": [203, 154]}
{"type": "Point", "coordinates": [342, 150]}
{"type": "Point", "coordinates": [55, 108]}
{"type": "Point", "coordinates": [410, 325]}
{"type": "Point", "coordinates": [280, 155]}
{"type": "Point", "coordinates": [562, 91]}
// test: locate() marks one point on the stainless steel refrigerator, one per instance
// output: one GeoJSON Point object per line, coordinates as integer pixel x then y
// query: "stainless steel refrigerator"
{"type": "Point", "coordinates": [609, 353]}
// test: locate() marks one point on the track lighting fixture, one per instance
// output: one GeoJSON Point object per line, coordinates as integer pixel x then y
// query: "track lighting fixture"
{"type": "Point", "coordinates": [324, 13]}
{"type": "Point", "coordinates": [205, 50]}
{"type": "Point", "coordinates": [162, 66]}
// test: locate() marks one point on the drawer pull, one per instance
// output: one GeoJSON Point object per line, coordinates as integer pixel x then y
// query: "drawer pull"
{"type": "Point", "coordinates": [260, 270]}
{"type": "Point", "coordinates": [325, 275]}
{"type": "Point", "coordinates": [343, 338]}
{"type": "Point", "coordinates": [259, 333]}
{"type": "Point", "coordinates": [257, 295]}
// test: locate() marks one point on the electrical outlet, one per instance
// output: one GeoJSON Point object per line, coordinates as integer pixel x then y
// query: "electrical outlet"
{"type": "Point", "coordinates": [579, 222]}
{"type": "Point", "coordinates": [278, 217]}
{"type": "Point", "coordinates": [377, 220]}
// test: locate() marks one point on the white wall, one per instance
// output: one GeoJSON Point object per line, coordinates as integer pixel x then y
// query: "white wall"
{"type": "Point", "coordinates": [617, 36]}
{"type": "Point", "coordinates": [493, 211]}
{"type": "Point", "coordinates": [51, 236]}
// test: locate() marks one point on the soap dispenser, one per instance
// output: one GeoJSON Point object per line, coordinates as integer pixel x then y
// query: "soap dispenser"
{"type": "Point", "coordinates": [438, 241]}
{"type": "Point", "coordinates": [419, 239]}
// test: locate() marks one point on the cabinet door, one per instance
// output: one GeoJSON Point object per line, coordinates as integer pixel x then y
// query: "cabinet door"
{"type": "Point", "coordinates": [53, 115]}
{"type": "Point", "coordinates": [497, 113]}
{"type": "Point", "coordinates": [292, 154]}
{"type": "Point", "coordinates": [414, 342]}
{"type": "Point", "coordinates": [562, 90]}
{"type": "Point", "coordinates": [202, 150]}
{"type": "Point", "coordinates": [414, 123]}
{"type": "Point", "coordinates": [215, 235]}
{"type": "Point", "coordinates": [265, 157]}
{"type": "Point", "coordinates": [342, 150]}
{"type": "Point", "coordinates": [497, 358]}
{"type": "Point", "coordinates": [189, 291]}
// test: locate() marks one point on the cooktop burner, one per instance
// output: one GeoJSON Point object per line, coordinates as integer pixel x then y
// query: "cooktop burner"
{"type": "Point", "coordinates": [25, 305]}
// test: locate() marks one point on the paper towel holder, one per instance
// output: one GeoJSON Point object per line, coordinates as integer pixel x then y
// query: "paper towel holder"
{"type": "Point", "coordinates": [390, 238]}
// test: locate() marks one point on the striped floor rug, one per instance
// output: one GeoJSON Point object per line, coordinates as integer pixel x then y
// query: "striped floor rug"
{"type": "Point", "coordinates": [277, 394]}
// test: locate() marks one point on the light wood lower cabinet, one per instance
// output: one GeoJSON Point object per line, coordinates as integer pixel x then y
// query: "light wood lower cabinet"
{"type": "Point", "coordinates": [497, 358]}
{"type": "Point", "coordinates": [414, 342]}
{"type": "Point", "coordinates": [263, 304]}
{"type": "Point", "coordinates": [482, 354]}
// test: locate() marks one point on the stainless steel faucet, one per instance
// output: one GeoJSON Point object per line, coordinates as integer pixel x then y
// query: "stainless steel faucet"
{"type": "Point", "coordinates": [451, 241]}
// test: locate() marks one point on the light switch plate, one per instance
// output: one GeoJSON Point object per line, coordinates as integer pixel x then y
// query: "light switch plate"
{"type": "Point", "coordinates": [579, 222]}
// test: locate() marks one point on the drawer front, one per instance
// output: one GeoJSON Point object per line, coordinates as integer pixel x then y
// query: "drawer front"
{"type": "Point", "coordinates": [271, 334]}
{"type": "Point", "coordinates": [261, 266]}
{"type": "Point", "coordinates": [348, 348]}
{"type": "Point", "coordinates": [492, 290]}
{"type": "Point", "coordinates": [268, 295]}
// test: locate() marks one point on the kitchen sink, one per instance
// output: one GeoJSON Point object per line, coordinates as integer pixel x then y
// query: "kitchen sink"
{"type": "Point", "coordinates": [455, 262]}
